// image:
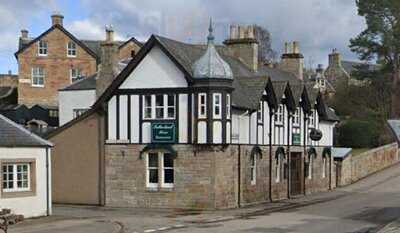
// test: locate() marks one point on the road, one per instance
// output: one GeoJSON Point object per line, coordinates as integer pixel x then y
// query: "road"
{"type": "Point", "coordinates": [366, 207]}
{"type": "Point", "coordinates": [363, 207]}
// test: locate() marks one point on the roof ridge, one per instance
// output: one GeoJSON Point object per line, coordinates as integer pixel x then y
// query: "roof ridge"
{"type": "Point", "coordinates": [27, 132]}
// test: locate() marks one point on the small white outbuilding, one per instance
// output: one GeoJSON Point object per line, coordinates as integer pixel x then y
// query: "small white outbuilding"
{"type": "Point", "coordinates": [25, 171]}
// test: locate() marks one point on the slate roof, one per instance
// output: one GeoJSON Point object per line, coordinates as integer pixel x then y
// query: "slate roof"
{"type": "Point", "coordinates": [250, 83]}
{"type": "Point", "coordinates": [88, 83]}
{"type": "Point", "coordinates": [350, 66]}
{"type": "Point", "coordinates": [14, 135]}
{"type": "Point", "coordinates": [6, 91]}
{"type": "Point", "coordinates": [328, 114]}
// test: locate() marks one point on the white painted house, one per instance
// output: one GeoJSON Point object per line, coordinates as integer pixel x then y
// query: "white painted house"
{"type": "Point", "coordinates": [26, 174]}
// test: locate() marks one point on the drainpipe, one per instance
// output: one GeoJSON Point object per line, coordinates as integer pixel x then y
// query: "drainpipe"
{"type": "Point", "coordinates": [239, 175]}
{"type": "Point", "coordinates": [47, 183]}
{"type": "Point", "coordinates": [305, 152]}
{"type": "Point", "coordinates": [330, 171]}
{"type": "Point", "coordinates": [271, 114]}
{"type": "Point", "coordinates": [288, 156]}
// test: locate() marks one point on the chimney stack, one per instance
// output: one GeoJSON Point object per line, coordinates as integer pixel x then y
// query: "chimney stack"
{"type": "Point", "coordinates": [57, 18]}
{"type": "Point", "coordinates": [292, 60]}
{"type": "Point", "coordinates": [24, 34]}
{"type": "Point", "coordinates": [243, 44]}
{"type": "Point", "coordinates": [335, 59]}
{"type": "Point", "coordinates": [108, 68]}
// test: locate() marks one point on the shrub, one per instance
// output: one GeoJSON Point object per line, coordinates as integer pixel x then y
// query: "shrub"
{"type": "Point", "coordinates": [359, 134]}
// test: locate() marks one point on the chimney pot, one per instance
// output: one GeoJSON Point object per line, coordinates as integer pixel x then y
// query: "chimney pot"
{"type": "Point", "coordinates": [287, 48]}
{"type": "Point", "coordinates": [24, 34]}
{"type": "Point", "coordinates": [9, 72]}
{"type": "Point", "coordinates": [109, 33]}
{"type": "Point", "coordinates": [296, 49]}
{"type": "Point", "coordinates": [57, 18]}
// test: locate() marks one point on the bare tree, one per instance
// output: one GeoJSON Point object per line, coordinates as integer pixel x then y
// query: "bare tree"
{"type": "Point", "coordinates": [265, 51]}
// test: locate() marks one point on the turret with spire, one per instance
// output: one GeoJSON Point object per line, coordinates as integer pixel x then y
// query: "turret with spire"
{"type": "Point", "coordinates": [211, 65]}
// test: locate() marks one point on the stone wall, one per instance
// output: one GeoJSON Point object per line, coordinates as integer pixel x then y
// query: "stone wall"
{"type": "Point", "coordinates": [8, 80]}
{"type": "Point", "coordinates": [205, 177]}
{"type": "Point", "coordinates": [373, 161]}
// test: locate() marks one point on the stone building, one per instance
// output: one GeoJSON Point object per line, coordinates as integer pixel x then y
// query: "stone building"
{"type": "Point", "coordinates": [55, 59]}
{"type": "Point", "coordinates": [197, 126]}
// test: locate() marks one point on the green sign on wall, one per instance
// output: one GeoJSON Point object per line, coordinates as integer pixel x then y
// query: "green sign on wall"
{"type": "Point", "coordinates": [296, 139]}
{"type": "Point", "coordinates": [163, 133]}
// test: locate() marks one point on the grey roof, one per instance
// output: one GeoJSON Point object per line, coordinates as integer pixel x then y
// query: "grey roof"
{"type": "Point", "coordinates": [340, 152]}
{"type": "Point", "coordinates": [329, 114]}
{"type": "Point", "coordinates": [88, 83]}
{"type": "Point", "coordinates": [188, 54]}
{"type": "Point", "coordinates": [350, 66]}
{"type": "Point", "coordinates": [211, 65]}
{"type": "Point", "coordinates": [279, 88]}
{"type": "Point", "coordinates": [6, 91]}
{"type": "Point", "coordinates": [14, 135]}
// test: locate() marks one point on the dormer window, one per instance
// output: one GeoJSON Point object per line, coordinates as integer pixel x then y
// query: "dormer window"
{"type": "Point", "coordinates": [42, 48]}
{"type": "Point", "coordinates": [202, 105]}
{"type": "Point", "coordinates": [296, 117]}
{"type": "Point", "coordinates": [217, 106]}
{"type": "Point", "coordinates": [71, 49]}
{"type": "Point", "coordinates": [279, 115]}
{"type": "Point", "coordinates": [75, 74]}
{"type": "Point", "coordinates": [311, 121]}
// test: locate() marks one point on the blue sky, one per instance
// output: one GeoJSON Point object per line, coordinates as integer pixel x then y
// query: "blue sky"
{"type": "Point", "coordinates": [318, 25]}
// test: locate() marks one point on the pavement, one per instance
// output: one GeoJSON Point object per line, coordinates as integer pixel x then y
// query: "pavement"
{"type": "Point", "coordinates": [370, 205]}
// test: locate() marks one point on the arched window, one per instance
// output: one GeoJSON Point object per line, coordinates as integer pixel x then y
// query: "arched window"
{"type": "Point", "coordinates": [310, 165]}
{"type": "Point", "coordinates": [278, 169]}
{"type": "Point", "coordinates": [323, 166]}
{"type": "Point", "coordinates": [253, 168]}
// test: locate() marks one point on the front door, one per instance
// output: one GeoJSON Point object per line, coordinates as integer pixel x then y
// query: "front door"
{"type": "Point", "coordinates": [295, 174]}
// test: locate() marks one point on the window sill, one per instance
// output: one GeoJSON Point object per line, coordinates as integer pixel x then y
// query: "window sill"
{"type": "Point", "coordinates": [17, 194]}
{"type": "Point", "coordinates": [38, 86]}
{"type": "Point", "coordinates": [42, 55]}
{"type": "Point", "coordinates": [71, 56]}
{"type": "Point", "coordinates": [160, 189]}
{"type": "Point", "coordinates": [110, 141]}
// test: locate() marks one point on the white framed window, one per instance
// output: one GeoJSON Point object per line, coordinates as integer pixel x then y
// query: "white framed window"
{"type": "Point", "coordinates": [202, 105]}
{"type": "Point", "coordinates": [71, 49]}
{"type": "Point", "coordinates": [16, 177]}
{"type": "Point", "coordinates": [279, 114]}
{"type": "Point", "coordinates": [311, 119]}
{"type": "Point", "coordinates": [79, 111]}
{"type": "Point", "coordinates": [75, 74]}
{"type": "Point", "coordinates": [278, 169]}
{"type": "Point", "coordinates": [228, 106]}
{"type": "Point", "coordinates": [159, 107]}
{"type": "Point", "coordinates": [147, 107]}
{"type": "Point", "coordinates": [152, 170]}
{"type": "Point", "coordinates": [310, 166]}
{"type": "Point", "coordinates": [259, 112]}
{"type": "Point", "coordinates": [296, 117]}
{"type": "Point", "coordinates": [167, 162]}
{"type": "Point", "coordinates": [170, 106]}
{"type": "Point", "coordinates": [37, 77]}
{"type": "Point", "coordinates": [253, 169]}
{"type": "Point", "coordinates": [42, 48]}
{"type": "Point", "coordinates": [324, 167]}
{"type": "Point", "coordinates": [217, 106]}
{"type": "Point", "coordinates": [159, 163]}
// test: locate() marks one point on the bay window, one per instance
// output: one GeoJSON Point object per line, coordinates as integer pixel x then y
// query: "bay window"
{"type": "Point", "coordinates": [217, 106]}
{"type": "Point", "coordinates": [202, 105]}
{"type": "Point", "coordinates": [228, 106]}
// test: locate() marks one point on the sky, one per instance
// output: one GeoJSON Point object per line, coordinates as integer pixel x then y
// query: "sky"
{"type": "Point", "coordinates": [319, 25]}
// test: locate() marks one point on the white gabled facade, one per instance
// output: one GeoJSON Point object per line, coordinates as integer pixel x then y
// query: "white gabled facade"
{"type": "Point", "coordinates": [73, 103]}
